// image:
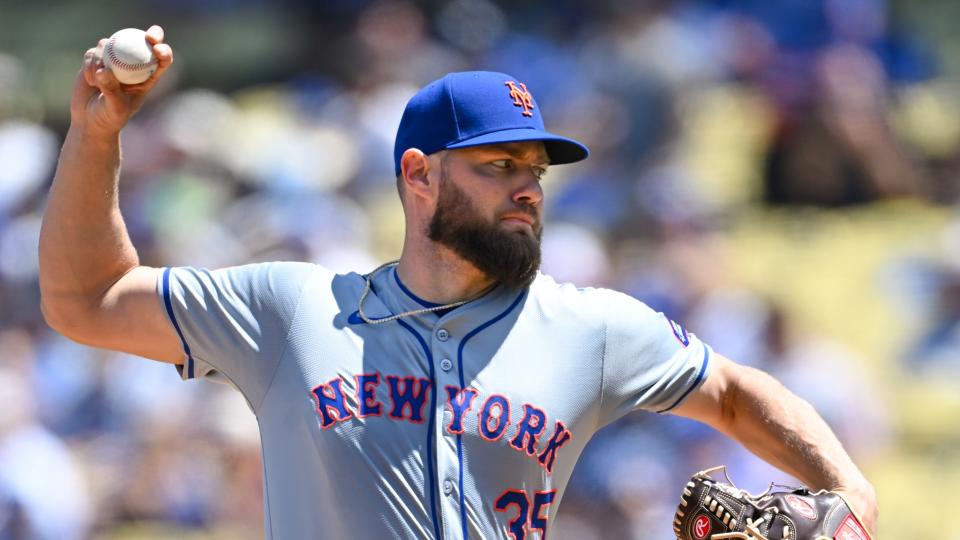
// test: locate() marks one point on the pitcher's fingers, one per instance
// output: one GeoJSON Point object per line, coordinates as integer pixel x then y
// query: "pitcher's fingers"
{"type": "Point", "coordinates": [110, 88]}
{"type": "Point", "coordinates": [83, 88]}
{"type": "Point", "coordinates": [164, 55]}
{"type": "Point", "coordinates": [155, 34]}
{"type": "Point", "coordinates": [90, 65]}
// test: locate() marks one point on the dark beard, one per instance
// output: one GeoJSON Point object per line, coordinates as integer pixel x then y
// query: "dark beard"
{"type": "Point", "coordinates": [511, 258]}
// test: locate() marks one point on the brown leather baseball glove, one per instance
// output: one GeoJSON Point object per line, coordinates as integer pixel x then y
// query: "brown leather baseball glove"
{"type": "Point", "coordinates": [710, 509]}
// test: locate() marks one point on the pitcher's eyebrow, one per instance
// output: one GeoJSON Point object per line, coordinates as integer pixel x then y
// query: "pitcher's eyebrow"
{"type": "Point", "coordinates": [515, 152]}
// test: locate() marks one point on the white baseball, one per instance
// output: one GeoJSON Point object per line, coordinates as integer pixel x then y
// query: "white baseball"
{"type": "Point", "coordinates": [129, 56]}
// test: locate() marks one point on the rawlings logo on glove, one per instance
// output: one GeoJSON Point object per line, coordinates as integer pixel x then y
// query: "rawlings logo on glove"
{"type": "Point", "coordinates": [715, 510]}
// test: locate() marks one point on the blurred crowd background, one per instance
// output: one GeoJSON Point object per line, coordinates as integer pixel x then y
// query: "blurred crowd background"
{"type": "Point", "coordinates": [781, 177]}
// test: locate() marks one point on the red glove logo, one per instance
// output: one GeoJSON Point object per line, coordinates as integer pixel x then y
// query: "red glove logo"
{"type": "Point", "coordinates": [850, 529]}
{"type": "Point", "coordinates": [701, 527]}
{"type": "Point", "coordinates": [802, 507]}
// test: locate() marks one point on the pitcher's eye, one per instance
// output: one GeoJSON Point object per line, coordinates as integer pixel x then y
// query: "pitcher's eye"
{"type": "Point", "coordinates": [502, 164]}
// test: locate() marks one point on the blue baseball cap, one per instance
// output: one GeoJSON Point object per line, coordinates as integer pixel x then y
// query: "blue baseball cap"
{"type": "Point", "coordinates": [473, 108]}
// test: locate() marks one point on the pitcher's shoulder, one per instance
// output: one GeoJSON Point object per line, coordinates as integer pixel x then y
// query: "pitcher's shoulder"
{"type": "Point", "coordinates": [595, 301]}
{"type": "Point", "coordinates": [546, 290]}
{"type": "Point", "coordinates": [547, 286]}
{"type": "Point", "coordinates": [316, 277]}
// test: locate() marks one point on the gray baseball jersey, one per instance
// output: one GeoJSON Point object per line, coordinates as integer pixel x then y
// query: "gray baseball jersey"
{"type": "Point", "coordinates": [465, 424]}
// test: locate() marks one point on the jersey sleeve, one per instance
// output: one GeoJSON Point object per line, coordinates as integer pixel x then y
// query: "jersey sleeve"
{"type": "Point", "coordinates": [649, 361]}
{"type": "Point", "coordinates": [233, 323]}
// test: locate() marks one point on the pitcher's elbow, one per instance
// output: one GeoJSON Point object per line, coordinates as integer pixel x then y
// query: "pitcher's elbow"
{"type": "Point", "coordinates": [64, 317]}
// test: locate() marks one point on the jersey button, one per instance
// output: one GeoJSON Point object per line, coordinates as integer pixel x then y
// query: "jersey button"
{"type": "Point", "coordinates": [446, 364]}
{"type": "Point", "coordinates": [447, 487]}
{"type": "Point", "coordinates": [442, 334]}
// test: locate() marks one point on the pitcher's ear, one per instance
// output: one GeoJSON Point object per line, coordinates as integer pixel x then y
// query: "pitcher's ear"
{"type": "Point", "coordinates": [415, 171]}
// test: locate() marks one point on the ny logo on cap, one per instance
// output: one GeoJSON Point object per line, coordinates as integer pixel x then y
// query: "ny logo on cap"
{"type": "Point", "coordinates": [521, 97]}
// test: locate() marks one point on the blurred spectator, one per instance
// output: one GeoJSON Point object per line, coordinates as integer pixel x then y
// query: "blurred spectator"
{"type": "Point", "coordinates": [839, 149]}
{"type": "Point", "coordinates": [936, 353]}
{"type": "Point", "coordinates": [45, 493]}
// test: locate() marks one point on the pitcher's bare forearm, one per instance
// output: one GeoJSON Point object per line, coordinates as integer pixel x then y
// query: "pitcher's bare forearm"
{"type": "Point", "coordinates": [92, 288]}
{"type": "Point", "coordinates": [787, 432]}
{"type": "Point", "coordinates": [84, 245]}
{"type": "Point", "coordinates": [757, 411]}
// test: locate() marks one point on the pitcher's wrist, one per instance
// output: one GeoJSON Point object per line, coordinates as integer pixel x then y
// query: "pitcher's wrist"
{"type": "Point", "coordinates": [89, 134]}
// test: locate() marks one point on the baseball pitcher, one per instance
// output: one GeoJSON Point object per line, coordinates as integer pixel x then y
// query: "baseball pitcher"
{"type": "Point", "coordinates": [444, 395]}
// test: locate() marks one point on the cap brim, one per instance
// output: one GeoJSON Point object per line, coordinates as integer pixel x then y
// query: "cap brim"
{"type": "Point", "coordinates": [559, 149]}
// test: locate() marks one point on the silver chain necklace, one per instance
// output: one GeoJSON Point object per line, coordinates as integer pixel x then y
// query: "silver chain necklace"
{"type": "Point", "coordinates": [369, 285]}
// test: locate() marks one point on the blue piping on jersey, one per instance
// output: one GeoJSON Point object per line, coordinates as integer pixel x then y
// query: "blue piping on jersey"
{"type": "Point", "coordinates": [430, 466]}
{"type": "Point", "coordinates": [475, 331]}
{"type": "Point", "coordinates": [430, 434]}
{"type": "Point", "coordinates": [696, 383]}
{"type": "Point", "coordinates": [173, 319]}
{"type": "Point", "coordinates": [409, 293]}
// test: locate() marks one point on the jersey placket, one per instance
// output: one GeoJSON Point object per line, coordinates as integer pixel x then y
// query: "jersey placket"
{"type": "Point", "coordinates": [442, 340]}
{"type": "Point", "coordinates": [444, 345]}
